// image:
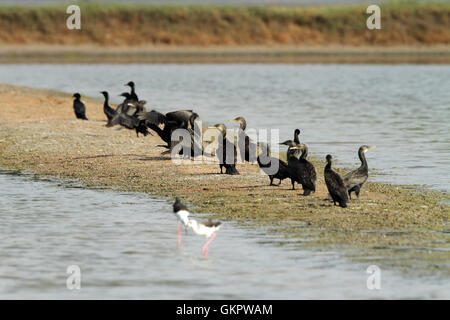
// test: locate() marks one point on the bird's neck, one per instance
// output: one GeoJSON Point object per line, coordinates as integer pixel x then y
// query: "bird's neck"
{"type": "Point", "coordinates": [296, 138]}
{"type": "Point", "coordinates": [362, 157]}
{"type": "Point", "coordinates": [328, 166]}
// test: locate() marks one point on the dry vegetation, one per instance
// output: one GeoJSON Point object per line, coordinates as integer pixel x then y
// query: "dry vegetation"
{"type": "Point", "coordinates": [403, 23]}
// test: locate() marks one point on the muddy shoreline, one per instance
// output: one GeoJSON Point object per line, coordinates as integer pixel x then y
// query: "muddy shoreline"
{"type": "Point", "coordinates": [401, 226]}
{"type": "Point", "coordinates": [42, 53]}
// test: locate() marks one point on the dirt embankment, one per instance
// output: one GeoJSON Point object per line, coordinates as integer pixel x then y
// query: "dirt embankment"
{"type": "Point", "coordinates": [403, 24]}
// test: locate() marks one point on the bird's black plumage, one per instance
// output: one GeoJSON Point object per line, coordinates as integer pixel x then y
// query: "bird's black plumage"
{"type": "Point", "coordinates": [178, 206]}
{"type": "Point", "coordinates": [171, 121]}
{"type": "Point", "coordinates": [183, 118]}
{"type": "Point", "coordinates": [133, 95]}
{"type": "Point", "coordinates": [267, 163]}
{"type": "Point", "coordinates": [109, 112]}
{"type": "Point", "coordinates": [355, 179]}
{"type": "Point", "coordinates": [292, 143]}
{"type": "Point", "coordinates": [335, 185]}
{"type": "Point", "coordinates": [211, 223]}
{"type": "Point", "coordinates": [79, 107]}
{"type": "Point", "coordinates": [302, 171]}
{"type": "Point", "coordinates": [126, 115]}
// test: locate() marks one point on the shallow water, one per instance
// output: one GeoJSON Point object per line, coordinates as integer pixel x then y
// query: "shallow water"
{"type": "Point", "coordinates": [402, 109]}
{"type": "Point", "coordinates": [125, 246]}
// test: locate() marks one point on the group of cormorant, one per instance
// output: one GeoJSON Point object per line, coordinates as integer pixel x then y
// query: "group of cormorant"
{"type": "Point", "coordinates": [131, 114]}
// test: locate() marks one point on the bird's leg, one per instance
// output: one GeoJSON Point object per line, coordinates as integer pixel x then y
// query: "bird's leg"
{"type": "Point", "coordinates": [271, 181]}
{"type": "Point", "coordinates": [293, 184]}
{"type": "Point", "coordinates": [350, 194]}
{"type": "Point", "coordinates": [205, 247]}
{"type": "Point", "coordinates": [357, 192]}
{"type": "Point", "coordinates": [279, 183]}
{"type": "Point", "coordinates": [179, 234]}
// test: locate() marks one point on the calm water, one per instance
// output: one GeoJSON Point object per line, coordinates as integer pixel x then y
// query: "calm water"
{"type": "Point", "coordinates": [402, 109]}
{"type": "Point", "coordinates": [125, 246]}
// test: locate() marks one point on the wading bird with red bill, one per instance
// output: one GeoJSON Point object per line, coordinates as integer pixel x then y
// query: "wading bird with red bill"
{"type": "Point", "coordinates": [181, 212]}
{"type": "Point", "coordinates": [207, 229]}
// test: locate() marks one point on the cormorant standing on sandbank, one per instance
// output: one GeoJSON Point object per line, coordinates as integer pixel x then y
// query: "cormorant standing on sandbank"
{"type": "Point", "coordinates": [335, 185]}
{"type": "Point", "coordinates": [226, 157]}
{"type": "Point", "coordinates": [354, 180]}
{"type": "Point", "coordinates": [79, 107]}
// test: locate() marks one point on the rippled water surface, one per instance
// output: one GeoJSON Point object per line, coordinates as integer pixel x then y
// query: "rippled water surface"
{"type": "Point", "coordinates": [402, 109]}
{"type": "Point", "coordinates": [125, 246]}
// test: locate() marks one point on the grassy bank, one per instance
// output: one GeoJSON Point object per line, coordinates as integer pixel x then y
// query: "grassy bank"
{"type": "Point", "coordinates": [230, 54]}
{"type": "Point", "coordinates": [403, 23]}
{"type": "Point", "coordinates": [401, 227]}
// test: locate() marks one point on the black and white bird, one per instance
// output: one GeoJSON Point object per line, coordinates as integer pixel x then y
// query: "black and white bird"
{"type": "Point", "coordinates": [79, 107]}
{"type": "Point", "coordinates": [207, 229]}
{"type": "Point", "coordinates": [133, 95]}
{"type": "Point", "coordinates": [182, 213]}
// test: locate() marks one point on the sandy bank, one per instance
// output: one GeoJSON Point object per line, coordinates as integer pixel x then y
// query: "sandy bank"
{"type": "Point", "coordinates": [38, 132]}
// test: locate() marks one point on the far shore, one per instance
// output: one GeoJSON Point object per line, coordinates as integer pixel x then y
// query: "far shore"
{"type": "Point", "coordinates": [44, 53]}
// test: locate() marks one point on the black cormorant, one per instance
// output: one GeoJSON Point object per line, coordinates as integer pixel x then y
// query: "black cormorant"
{"type": "Point", "coordinates": [302, 171]}
{"type": "Point", "coordinates": [79, 107]}
{"type": "Point", "coordinates": [109, 112]}
{"type": "Point", "coordinates": [183, 118]}
{"type": "Point", "coordinates": [354, 180]}
{"type": "Point", "coordinates": [227, 158]}
{"type": "Point", "coordinates": [282, 173]}
{"type": "Point", "coordinates": [194, 144]}
{"type": "Point", "coordinates": [294, 142]}
{"type": "Point", "coordinates": [171, 121]}
{"type": "Point", "coordinates": [335, 185]}
{"type": "Point", "coordinates": [133, 95]}
{"type": "Point", "coordinates": [126, 115]}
